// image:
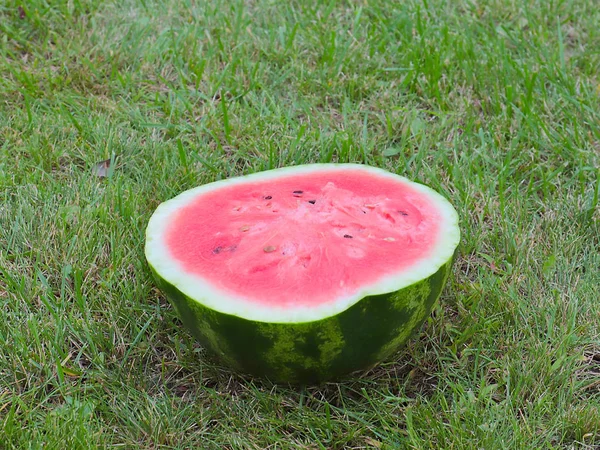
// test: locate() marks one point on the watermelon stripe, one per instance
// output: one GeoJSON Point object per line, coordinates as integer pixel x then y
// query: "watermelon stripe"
{"type": "Point", "coordinates": [312, 351]}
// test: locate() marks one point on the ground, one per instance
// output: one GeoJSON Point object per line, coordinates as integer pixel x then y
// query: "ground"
{"type": "Point", "coordinates": [108, 108]}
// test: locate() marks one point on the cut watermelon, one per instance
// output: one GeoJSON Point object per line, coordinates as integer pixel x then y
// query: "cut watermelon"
{"type": "Point", "coordinates": [306, 273]}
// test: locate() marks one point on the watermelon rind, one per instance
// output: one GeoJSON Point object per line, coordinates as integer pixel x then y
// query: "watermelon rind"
{"type": "Point", "coordinates": [304, 344]}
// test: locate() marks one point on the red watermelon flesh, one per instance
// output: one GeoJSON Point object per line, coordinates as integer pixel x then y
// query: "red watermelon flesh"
{"type": "Point", "coordinates": [297, 234]}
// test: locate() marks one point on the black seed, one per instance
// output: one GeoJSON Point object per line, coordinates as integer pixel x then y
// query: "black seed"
{"type": "Point", "coordinates": [298, 193]}
{"type": "Point", "coordinates": [403, 213]}
{"type": "Point", "coordinates": [217, 250]}
{"type": "Point", "coordinates": [312, 202]}
{"type": "Point", "coordinates": [268, 197]}
{"type": "Point", "coordinates": [347, 236]}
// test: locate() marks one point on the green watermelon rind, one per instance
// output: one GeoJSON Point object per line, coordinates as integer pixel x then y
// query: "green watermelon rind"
{"type": "Point", "coordinates": [312, 352]}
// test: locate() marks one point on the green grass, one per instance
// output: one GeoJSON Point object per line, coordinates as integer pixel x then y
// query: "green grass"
{"type": "Point", "coordinates": [494, 103]}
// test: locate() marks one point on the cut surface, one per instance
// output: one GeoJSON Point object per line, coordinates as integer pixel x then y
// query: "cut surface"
{"type": "Point", "coordinates": [314, 238]}
{"type": "Point", "coordinates": [300, 243]}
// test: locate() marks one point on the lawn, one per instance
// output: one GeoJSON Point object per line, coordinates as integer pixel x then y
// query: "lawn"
{"type": "Point", "coordinates": [496, 104]}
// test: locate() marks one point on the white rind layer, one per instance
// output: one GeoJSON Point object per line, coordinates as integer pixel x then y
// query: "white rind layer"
{"type": "Point", "coordinates": [198, 288]}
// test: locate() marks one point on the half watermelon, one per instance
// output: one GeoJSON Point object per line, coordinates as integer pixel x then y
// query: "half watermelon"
{"type": "Point", "coordinates": [306, 273]}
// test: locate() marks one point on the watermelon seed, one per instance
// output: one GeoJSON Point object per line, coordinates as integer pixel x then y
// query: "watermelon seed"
{"type": "Point", "coordinates": [217, 250]}
{"type": "Point", "coordinates": [387, 216]}
{"type": "Point", "coordinates": [298, 193]}
{"type": "Point", "coordinates": [237, 208]}
{"type": "Point", "coordinates": [389, 239]}
{"type": "Point", "coordinates": [232, 248]}
{"type": "Point", "coordinates": [347, 236]}
{"type": "Point", "coordinates": [370, 206]}
{"type": "Point", "coordinates": [244, 228]}
{"type": "Point", "coordinates": [269, 248]}
{"type": "Point", "coordinates": [312, 202]}
{"type": "Point", "coordinates": [403, 213]}
{"type": "Point", "coordinates": [268, 197]}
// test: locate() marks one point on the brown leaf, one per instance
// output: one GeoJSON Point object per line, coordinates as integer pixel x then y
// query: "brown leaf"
{"type": "Point", "coordinates": [101, 168]}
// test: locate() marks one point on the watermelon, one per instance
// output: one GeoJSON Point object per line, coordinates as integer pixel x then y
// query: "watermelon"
{"type": "Point", "coordinates": [306, 273]}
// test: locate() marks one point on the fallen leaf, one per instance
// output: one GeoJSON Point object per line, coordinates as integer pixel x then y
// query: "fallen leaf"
{"type": "Point", "coordinates": [101, 169]}
{"type": "Point", "coordinates": [104, 168]}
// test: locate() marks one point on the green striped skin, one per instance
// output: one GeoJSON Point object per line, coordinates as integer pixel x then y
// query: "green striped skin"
{"type": "Point", "coordinates": [305, 353]}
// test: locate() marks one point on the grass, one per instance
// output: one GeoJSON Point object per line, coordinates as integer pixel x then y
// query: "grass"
{"type": "Point", "coordinates": [494, 103]}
